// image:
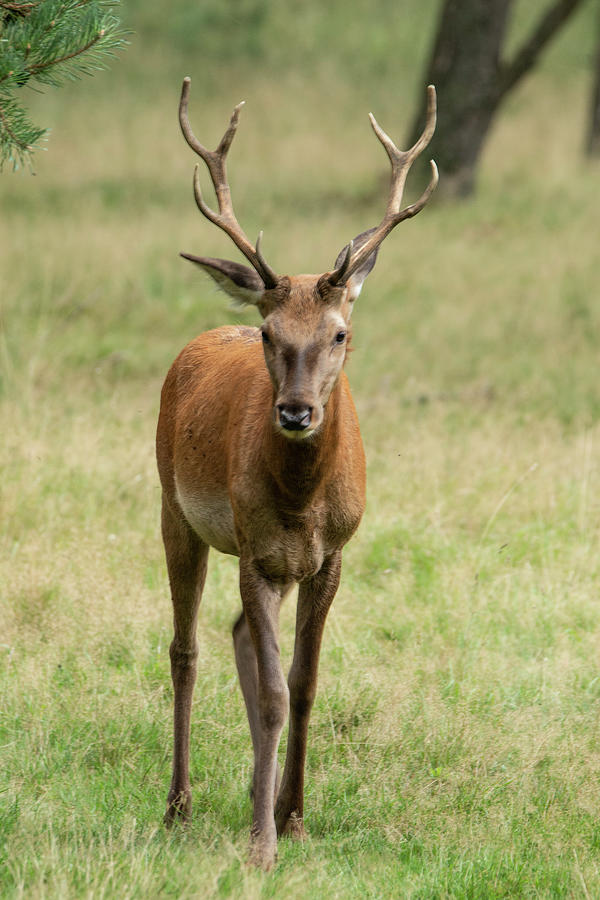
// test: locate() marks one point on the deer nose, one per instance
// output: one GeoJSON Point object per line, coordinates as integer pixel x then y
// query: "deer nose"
{"type": "Point", "coordinates": [293, 417]}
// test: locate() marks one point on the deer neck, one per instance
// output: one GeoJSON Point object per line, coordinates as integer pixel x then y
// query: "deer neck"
{"type": "Point", "coordinates": [299, 467]}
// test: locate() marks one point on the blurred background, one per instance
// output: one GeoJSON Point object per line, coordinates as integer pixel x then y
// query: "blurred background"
{"type": "Point", "coordinates": [467, 623]}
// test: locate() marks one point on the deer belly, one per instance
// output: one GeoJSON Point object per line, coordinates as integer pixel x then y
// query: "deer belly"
{"type": "Point", "coordinates": [211, 517]}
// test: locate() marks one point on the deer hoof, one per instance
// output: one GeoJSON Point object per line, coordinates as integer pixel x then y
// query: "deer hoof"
{"type": "Point", "coordinates": [179, 808]}
{"type": "Point", "coordinates": [293, 827]}
{"type": "Point", "coordinates": [263, 850]}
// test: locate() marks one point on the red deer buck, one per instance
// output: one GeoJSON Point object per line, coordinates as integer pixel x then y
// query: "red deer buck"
{"type": "Point", "coordinates": [260, 456]}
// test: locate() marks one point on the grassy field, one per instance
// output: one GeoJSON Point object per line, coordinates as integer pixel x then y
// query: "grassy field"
{"type": "Point", "coordinates": [454, 746]}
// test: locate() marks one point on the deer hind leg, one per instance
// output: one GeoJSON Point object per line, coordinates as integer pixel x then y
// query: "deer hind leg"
{"type": "Point", "coordinates": [186, 563]}
{"type": "Point", "coordinates": [314, 599]}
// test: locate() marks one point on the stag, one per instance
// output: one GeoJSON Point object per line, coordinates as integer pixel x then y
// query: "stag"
{"type": "Point", "coordinates": [260, 456]}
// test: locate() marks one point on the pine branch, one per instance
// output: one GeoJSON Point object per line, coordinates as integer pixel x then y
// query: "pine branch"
{"type": "Point", "coordinates": [33, 70]}
{"type": "Point", "coordinates": [24, 148]}
{"type": "Point", "coordinates": [524, 59]}
{"type": "Point", "coordinates": [18, 136]}
{"type": "Point", "coordinates": [48, 42]}
{"type": "Point", "coordinates": [22, 8]}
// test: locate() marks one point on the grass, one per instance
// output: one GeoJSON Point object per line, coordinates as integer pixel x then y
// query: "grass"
{"type": "Point", "coordinates": [454, 741]}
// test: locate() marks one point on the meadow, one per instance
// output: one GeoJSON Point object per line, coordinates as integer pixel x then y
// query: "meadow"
{"type": "Point", "coordinates": [454, 744]}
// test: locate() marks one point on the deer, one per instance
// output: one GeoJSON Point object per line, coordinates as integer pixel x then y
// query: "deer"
{"type": "Point", "coordinates": [260, 456]}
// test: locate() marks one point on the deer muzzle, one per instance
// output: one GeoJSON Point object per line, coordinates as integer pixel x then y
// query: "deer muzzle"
{"type": "Point", "coordinates": [293, 417]}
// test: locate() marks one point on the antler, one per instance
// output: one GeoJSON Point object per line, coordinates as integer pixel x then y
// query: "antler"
{"type": "Point", "coordinates": [401, 161]}
{"type": "Point", "coordinates": [215, 162]}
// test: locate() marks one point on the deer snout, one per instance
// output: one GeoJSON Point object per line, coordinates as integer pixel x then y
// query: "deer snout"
{"type": "Point", "coordinates": [293, 417]}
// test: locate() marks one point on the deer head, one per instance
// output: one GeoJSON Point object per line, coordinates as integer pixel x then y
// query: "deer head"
{"type": "Point", "coordinates": [307, 318]}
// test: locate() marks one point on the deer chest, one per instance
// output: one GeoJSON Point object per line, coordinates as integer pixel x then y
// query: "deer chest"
{"type": "Point", "coordinates": [292, 554]}
{"type": "Point", "coordinates": [291, 548]}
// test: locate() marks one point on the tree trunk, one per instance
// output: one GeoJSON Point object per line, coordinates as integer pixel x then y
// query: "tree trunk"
{"type": "Point", "coordinates": [593, 138]}
{"type": "Point", "coordinates": [472, 80]}
{"type": "Point", "coordinates": [464, 68]}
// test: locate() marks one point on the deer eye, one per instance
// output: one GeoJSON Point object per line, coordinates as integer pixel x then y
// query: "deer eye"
{"type": "Point", "coordinates": [340, 337]}
{"type": "Point", "coordinates": [265, 337]}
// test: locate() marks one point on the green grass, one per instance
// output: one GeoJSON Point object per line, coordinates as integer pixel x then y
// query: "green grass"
{"type": "Point", "coordinates": [454, 741]}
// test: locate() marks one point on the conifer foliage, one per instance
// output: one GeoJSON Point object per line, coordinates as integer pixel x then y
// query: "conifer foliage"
{"type": "Point", "coordinates": [47, 42]}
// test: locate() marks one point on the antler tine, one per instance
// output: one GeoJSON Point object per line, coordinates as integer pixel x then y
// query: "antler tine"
{"type": "Point", "coordinates": [215, 162]}
{"type": "Point", "coordinates": [229, 135]}
{"type": "Point", "coordinates": [263, 263]}
{"type": "Point", "coordinates": [184, 122]}
{"type": "Point", "coordinates": [401, 161]}
{"type": "Point", "coordinates": [339, 272]}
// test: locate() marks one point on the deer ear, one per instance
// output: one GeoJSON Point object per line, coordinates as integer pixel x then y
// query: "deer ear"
{"type": "Point", "coordinates": [240, 282]}
{"type": "Point", "coordinates": [355, 282]}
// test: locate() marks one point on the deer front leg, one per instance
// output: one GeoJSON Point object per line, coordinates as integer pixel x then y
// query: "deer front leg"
{"type": "Point", "coordinates": [314, 599]}
{"type": "Point", "coordinates": [186, 563]}
{"type": "Point", "coordinates": [261, 600]}
{"type": "Point", "coordinates": [245, 660]}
